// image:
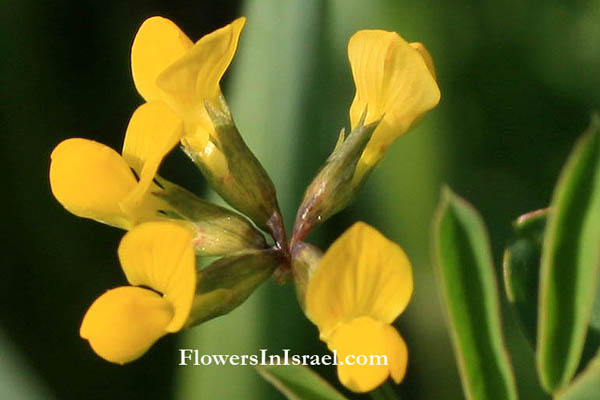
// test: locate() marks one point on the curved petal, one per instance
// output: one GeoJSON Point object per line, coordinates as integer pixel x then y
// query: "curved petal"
{"type": "Point", "coordinates": [395, 80]}
{"type": "Point", "coordinates": [152, 132]}
{"type": "Point", "coordinates": [364, 340]}
{"type": "Point", "coordinates": [90, 179]}
{"type": "Point", "coordinates": [361, 274]}
{"type": "Point", "coordinates": [420, 47]}
{"type": "Point", "coordinates": [397, 353]}
{"type": "Point", "coordinates": [206, 151]}
{"type": "Point", "coordinates": [123, 323]}
{"type": "Point", "coordinates": [195, 77]}
{"type": "Point", "coordinates": [157, 44]}
{"type": "Point", "coordinates": [160, 255]}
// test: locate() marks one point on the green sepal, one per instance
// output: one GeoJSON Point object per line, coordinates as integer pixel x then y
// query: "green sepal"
{"type": "Point", "coordinates": [218, 231]}
{"type": "Point", "coordinates": [227, 283]}
{"type": "Point", "coordinates": [247, 187]}
{"type": "Point", "coordinates": [333, 187]}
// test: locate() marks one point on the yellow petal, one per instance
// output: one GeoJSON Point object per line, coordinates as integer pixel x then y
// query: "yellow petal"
{"type": "Point", "coordinates": [206, 152]}
{"type": "Point", "coordinates": [364, 340]}
{"type": "Point", "coordinates": [393, 79]}
{"type": "Point", "coordinates": [160, 255]}
{"type": "Point", "coordinates": [152, 132]}
{"type": "Point", "coordinates": [426, 57]}
{"type": "Point", "coordinates": [195, 77]}
{"type": "Point", "coordinates": [157, 44]}
{"type": "Point", "coordinates": [361, 274]}
{"type": "Point", "coordinates": [397, 353]}
{"type": "Point", "coordinates": [123, 323]}
{"type": "Point", "coordinates": [90, 179]}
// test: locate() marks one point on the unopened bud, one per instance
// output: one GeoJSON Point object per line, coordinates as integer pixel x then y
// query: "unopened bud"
{"type": "Point", "coordinates": [227, 282]}
{"type": "Point", "coordinates": [333, 187]}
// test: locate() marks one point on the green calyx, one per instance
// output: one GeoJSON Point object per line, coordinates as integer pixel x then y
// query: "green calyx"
{"type": "Point", "coordinates": [333, 187]}
{"type": "Point", "coordinates": [218, 231]}
{"type": "Point", "coordinates": [247, 186]}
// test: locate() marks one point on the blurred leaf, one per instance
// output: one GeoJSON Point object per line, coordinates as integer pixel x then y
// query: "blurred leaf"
{"type": "Point", "coordinates": [586, 386]}
{"type": "Point", "coordinates": [468, 286]}
{"type": "Point", "coordinates": [522, 268]}
{"type": "Point", "coordinates": [595, 319]}
{"type": "Point", "coordinates": [298, 382]}
{"type": "Point", "coordinates": [570, 263]}
{"type": "Point", "coordinates": [17, 379]}
{"type": "Point", "coordinates": [521, 278]}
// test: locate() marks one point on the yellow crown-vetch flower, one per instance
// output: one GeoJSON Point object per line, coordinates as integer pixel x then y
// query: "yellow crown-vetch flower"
{"type": "Point", "coordinates": [395, 82]}
{"type": "Point", "coordinates": [167, 293]}
{"type": "Point", "coordinates": [395, 85]}
{"type": "Point", "coordinates": [360, 286]}
{"type": "Point", "coordinates": [92, 180]}
{"type": "Point", "coordinates": [168, 67]}
{"type": "Point", "coordinates": [353, 292]}
{"type": "Point", "coordinates": [123, 323]}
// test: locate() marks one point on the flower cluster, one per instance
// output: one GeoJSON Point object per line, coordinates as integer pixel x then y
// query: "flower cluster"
{"type": "Point", "coordinates": [352, 293]}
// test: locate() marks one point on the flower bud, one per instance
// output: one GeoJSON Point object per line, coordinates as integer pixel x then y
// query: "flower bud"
{"type": "Point", "coordinates": [333, 187]}
{"type": "Point", "coordinates": [227, 282]}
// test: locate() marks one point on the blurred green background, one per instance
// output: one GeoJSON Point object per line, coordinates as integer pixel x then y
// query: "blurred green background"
{"type": "Point", "coordinates": [518, 81]}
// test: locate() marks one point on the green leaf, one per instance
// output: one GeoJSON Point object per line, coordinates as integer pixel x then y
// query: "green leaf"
{"type": "Point", "coordinates": [298, 382]}
{"type": "Point", "coordinates": [522, 269]}
{"type": "Point", "coordinates": [521, 278]}
{"type": "Point", "coordinates": [469, 292]}
{"type": "Point", "coordinates": [569, 264]}
{"type": "Point", "coordinates": [585, 386]}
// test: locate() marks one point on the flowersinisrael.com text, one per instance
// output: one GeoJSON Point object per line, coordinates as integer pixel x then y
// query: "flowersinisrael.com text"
{"type": "Point", "coordinates": [193, 357]}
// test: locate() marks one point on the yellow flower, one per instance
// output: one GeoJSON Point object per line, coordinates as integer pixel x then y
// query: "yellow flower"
{"type": "Point", "coordinates": [123, 323]}
{"type": "Point", "coordinates": [167, 67]}
{"type": "Point", "coordinates": [361, 285]}
{"type": "Point", "coordinates": [395, 80]}
{"type": "Point", "coordinates": [93, 181]}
